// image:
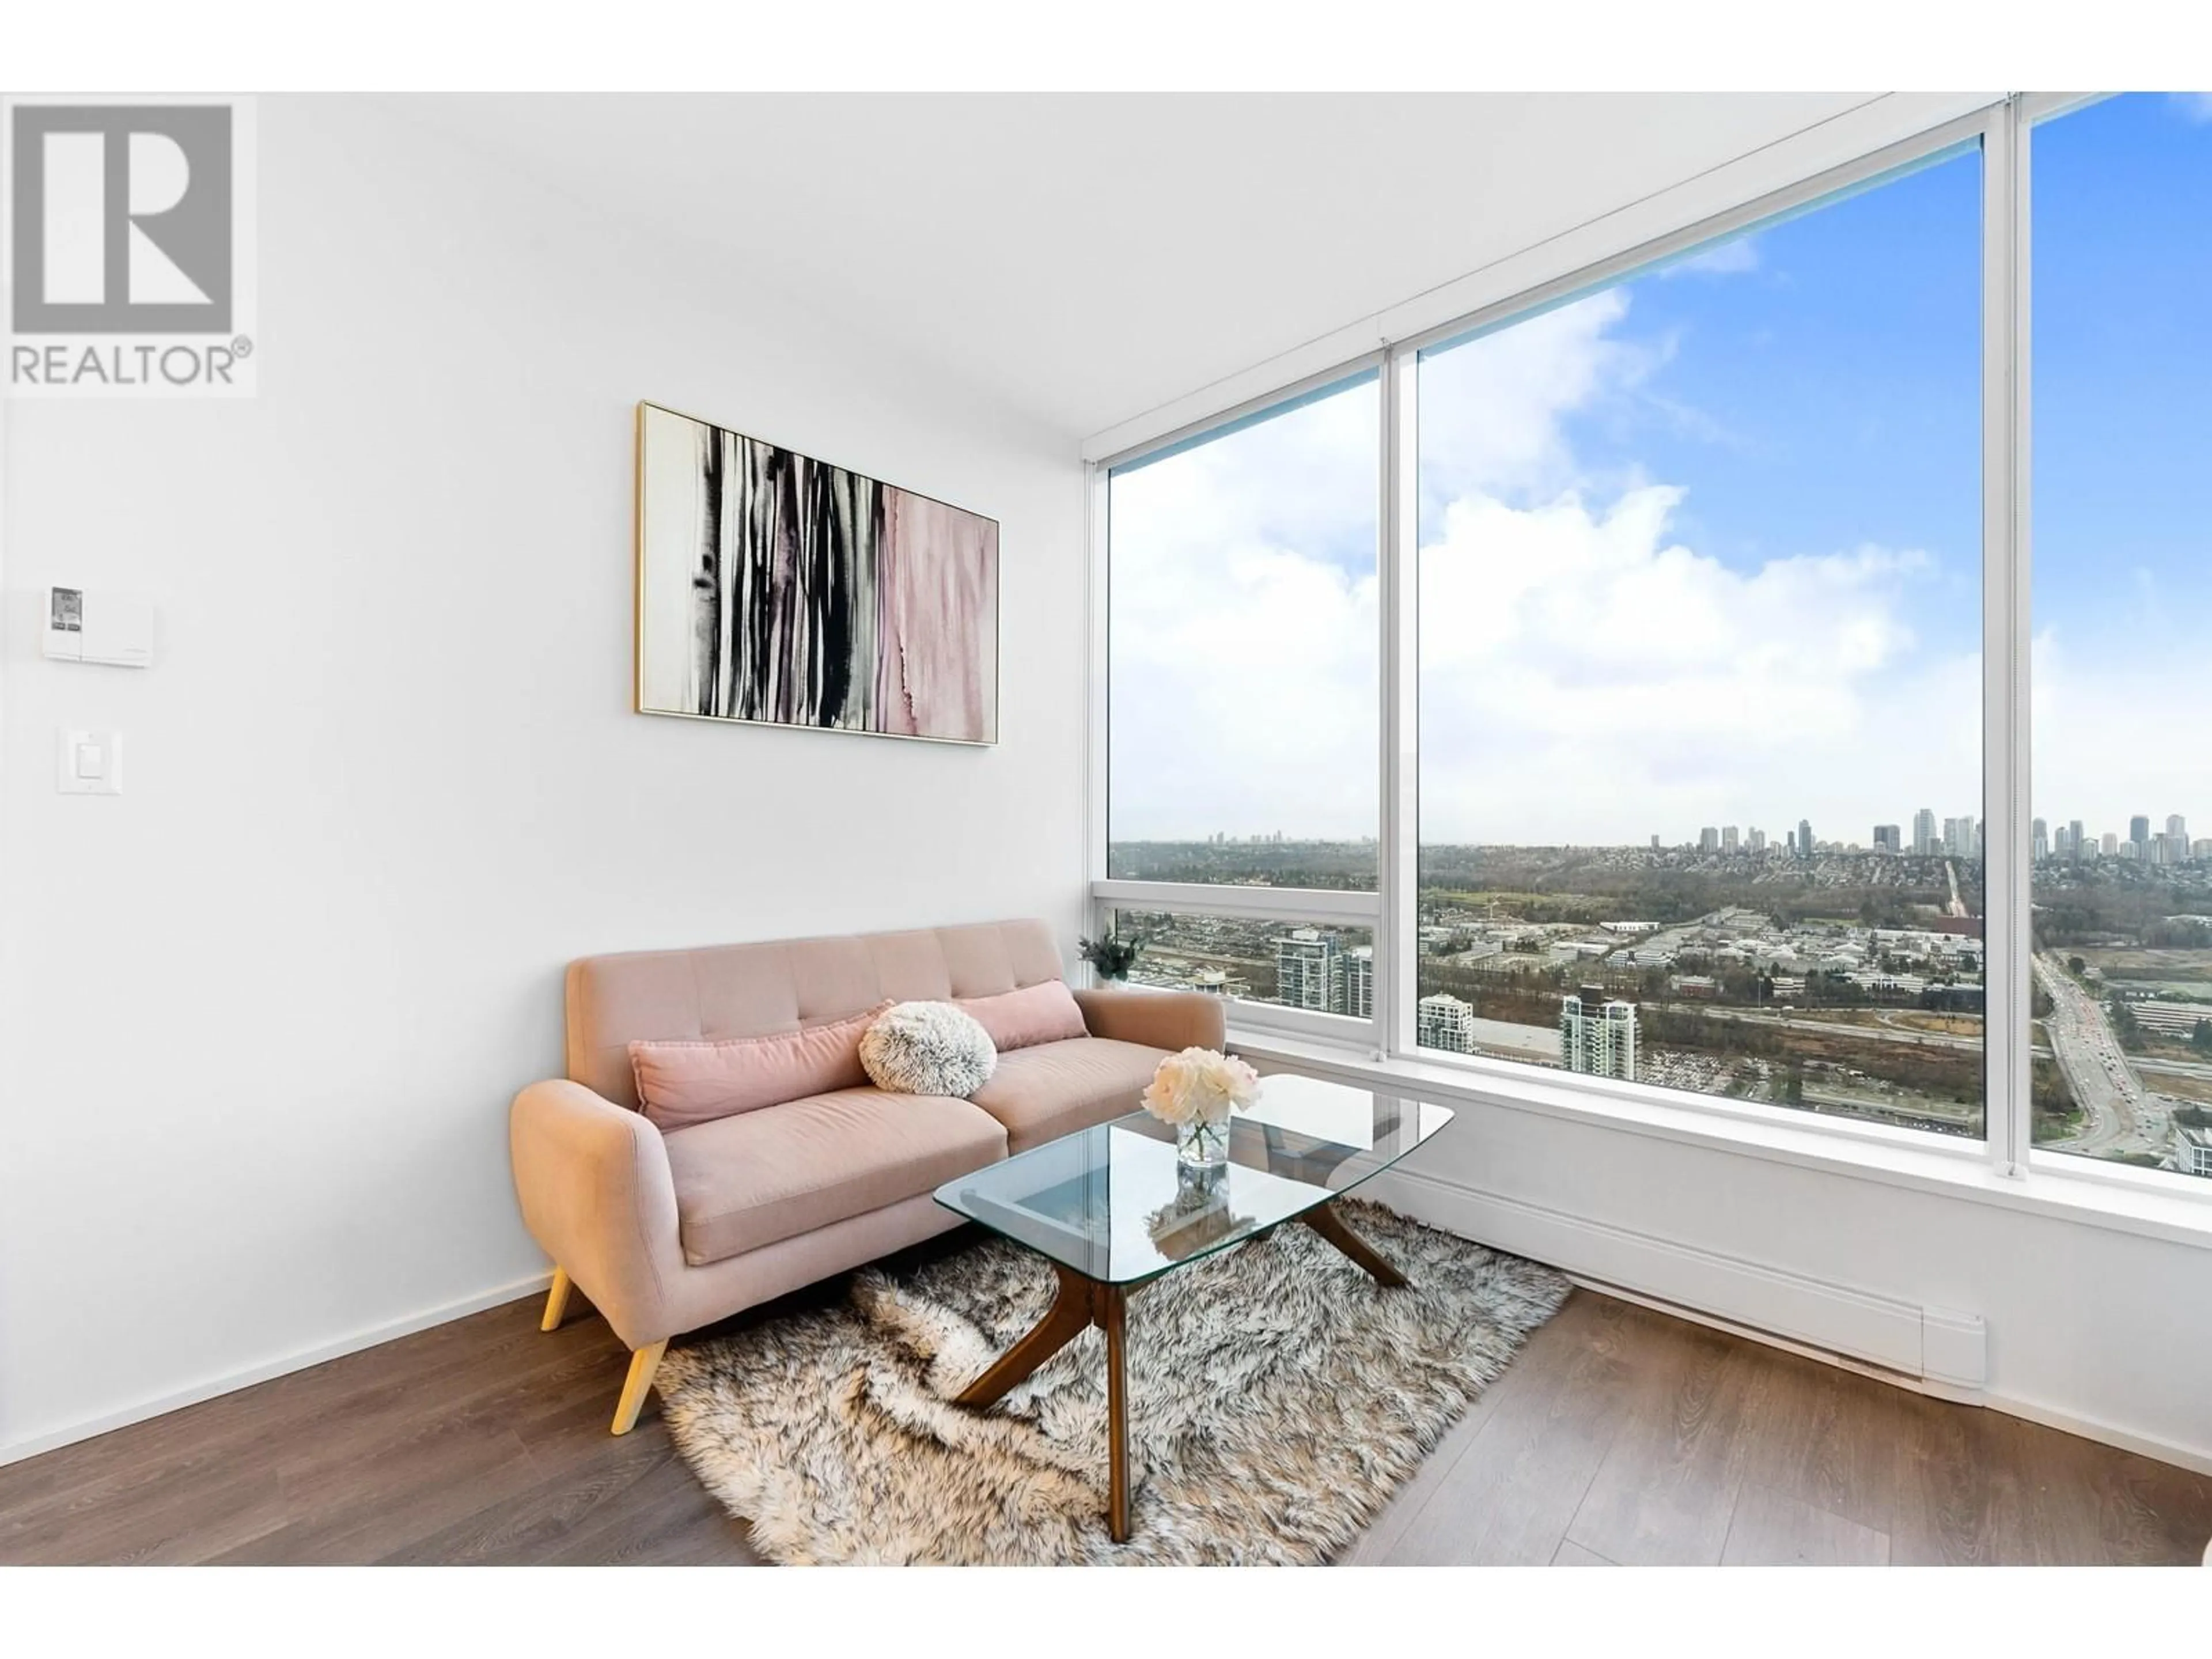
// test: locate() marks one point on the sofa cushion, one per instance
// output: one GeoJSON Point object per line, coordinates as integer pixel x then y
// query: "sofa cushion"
{"type": "Point", "coordinates": [683, 1081]}
{"type": "Point", "coordinates": [1056, 1088]}
{"type": "Point", "coordinates": [1023, 1018]}
{"type": "Point", "coordinates": [760, 1177]}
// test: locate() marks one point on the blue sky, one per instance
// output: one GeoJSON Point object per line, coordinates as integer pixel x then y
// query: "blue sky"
{"type": "Point", "coordinates": [2122, 367]}
{"type": "Point", "coordinates": [1832, 390]}
{"type": "Point", "coordinates": [1705, 548]}
{"type": "Point", "coordinates": [1820, 386]}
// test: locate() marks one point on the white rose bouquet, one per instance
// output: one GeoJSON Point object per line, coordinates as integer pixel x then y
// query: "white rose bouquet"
{"type": "Point", "coordinates": [1194, 1091]}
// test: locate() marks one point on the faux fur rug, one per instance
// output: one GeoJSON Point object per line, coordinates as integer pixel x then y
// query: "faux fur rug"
{"type": "Point", "coordinates": [1277, 1396]}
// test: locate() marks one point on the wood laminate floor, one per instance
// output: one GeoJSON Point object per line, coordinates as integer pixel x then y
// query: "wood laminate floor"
{"type": "Point", "coordinates": [1618, 1435]}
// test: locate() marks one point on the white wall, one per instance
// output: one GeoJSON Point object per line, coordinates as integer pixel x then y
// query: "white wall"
{"type": "Point", "coordinates": [261, 1016]}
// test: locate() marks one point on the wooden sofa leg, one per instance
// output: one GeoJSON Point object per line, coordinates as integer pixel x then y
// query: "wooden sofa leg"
{"type": "Point", "coordinates": [642, 1364]}
{"type": "Point", "coordinates": [557, 1302]}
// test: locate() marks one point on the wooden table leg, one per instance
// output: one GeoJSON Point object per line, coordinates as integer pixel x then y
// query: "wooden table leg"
{"type": "Point", "coordinates": [1081, 1304]}
{"type": "Point", "coordinates": [1325, 1221]}
{"type": "Point", "coordinates": [1114, 1315]}
{"type": "Point", "coordinates": [1068, 1317]}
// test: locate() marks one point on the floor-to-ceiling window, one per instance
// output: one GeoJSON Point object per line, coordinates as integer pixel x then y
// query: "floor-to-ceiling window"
{"type": "Point", "coordinates": [2122, 228]}
{"type": "Point", "coordinates": [1242, 606]}
{"type": "Point", "coordinates": [1700, 664]}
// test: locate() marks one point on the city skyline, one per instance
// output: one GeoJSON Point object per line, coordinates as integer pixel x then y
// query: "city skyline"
{"type": "Point", "coordinates": [2162, 824]}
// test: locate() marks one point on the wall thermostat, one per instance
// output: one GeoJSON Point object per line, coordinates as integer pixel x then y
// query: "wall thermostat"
{"type": "Point", "coordinates": [83, 626]}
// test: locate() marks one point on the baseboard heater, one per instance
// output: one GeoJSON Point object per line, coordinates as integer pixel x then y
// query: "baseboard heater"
{"type": "Point", "coordinates": [1941, 1350]}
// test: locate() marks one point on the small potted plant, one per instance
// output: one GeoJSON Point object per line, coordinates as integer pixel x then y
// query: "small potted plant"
{"type": "Point", "coordinates": [1110, 957]}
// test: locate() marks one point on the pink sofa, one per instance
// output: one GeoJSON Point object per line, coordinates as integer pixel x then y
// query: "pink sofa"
{"type": "Point", "coordinates": [666, 1232]}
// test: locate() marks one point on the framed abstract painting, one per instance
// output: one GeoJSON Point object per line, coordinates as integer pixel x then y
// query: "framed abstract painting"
{"type": "Point", "coordinates": [775, 589]}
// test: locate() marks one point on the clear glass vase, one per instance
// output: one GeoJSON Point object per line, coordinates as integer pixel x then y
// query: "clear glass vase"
{"type": "Point", "coordinates": [1203, 1145]}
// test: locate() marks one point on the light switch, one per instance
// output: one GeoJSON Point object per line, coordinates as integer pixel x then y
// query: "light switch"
{"type": "Point", "coordinates": [91, 762]}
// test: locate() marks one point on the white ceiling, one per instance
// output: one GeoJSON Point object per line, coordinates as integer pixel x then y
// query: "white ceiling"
{"type": "Point", "coordinates": [1082, 258]}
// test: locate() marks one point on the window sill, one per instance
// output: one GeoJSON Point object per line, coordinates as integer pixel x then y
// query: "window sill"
{"type": "Point", "coordinates": [1889, 1157]}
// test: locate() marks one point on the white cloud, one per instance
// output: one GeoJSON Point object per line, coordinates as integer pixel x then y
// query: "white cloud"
{"type": "Point", "coordinates": [1492, 410]}
{"type": "Point", "coordinates": [1244, 628]}
{"type": "Point", "coordinates": [1735, 258]}
{"type": "Point", "coordinates": [1585, 677]}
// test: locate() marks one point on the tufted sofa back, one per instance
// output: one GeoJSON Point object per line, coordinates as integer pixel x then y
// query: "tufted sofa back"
{"type": "Point", "coordinates": [752, 990]}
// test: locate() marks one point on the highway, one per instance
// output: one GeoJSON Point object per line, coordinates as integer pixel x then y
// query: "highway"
{"type": "Point", "coordinates": [2111, 1096]}
{"type": "Point", "coordinates": [1882, 1031]}
{"type": "Point", "coordinates": [2119, 1114]}
{"type": "Point", "coordinates": [1933, 1039]}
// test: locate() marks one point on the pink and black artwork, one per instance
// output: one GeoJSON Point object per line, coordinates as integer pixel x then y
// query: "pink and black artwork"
{"type": "Point", "coordinates": [780, 590]}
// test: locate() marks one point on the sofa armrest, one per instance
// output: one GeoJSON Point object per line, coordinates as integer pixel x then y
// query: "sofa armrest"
{"type": "Point", "coordinates": [1158, 1019]}
{"type": "Point", "coordinates": [593, 1181]}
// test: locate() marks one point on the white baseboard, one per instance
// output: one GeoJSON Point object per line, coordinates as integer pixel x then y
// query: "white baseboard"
{"type": "Point", "coordinates": [1935, 1351]}
{"type": "Point", "coordinates": [1810, 1313]}
{"type": "Point", "coordinates": [2088, 1428]}
{"type": "Point", "coordinates": [15, 1451]}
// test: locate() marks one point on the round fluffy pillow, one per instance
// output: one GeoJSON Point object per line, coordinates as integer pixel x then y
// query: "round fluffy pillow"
{"type": "Point", "coordinates": [927, 1048]}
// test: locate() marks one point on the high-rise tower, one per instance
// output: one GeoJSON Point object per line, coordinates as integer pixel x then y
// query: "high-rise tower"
{"type": "Point", "coordinates": [1310, 971]}
{"type": "Point", "coordinates": [1441, 1021]}
{"type": "Point", "coordinates": [1597, 1035]}
{"type": "Point", "coordinates": [1359, 981]}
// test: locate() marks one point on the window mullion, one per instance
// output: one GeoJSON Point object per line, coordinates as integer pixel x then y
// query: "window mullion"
{"type": "Point", "coordinates": [2006, 936]}
{"type": "Point", "coordinates": [2019, 735]}
{"type": "Point", "coordinates": [1098, 706]}
{"type": "Point", "coordinates": [1397, 932]}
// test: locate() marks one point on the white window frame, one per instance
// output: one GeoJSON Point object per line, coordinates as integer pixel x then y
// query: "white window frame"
{"type": "Point", "coordinates": [2001, 130]}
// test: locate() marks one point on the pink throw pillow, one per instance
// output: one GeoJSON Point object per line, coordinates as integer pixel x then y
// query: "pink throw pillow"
{"type": "Point", "coordinates": [1023, 1018]}
{"type": "Point", "coordinates": [683, 1081]}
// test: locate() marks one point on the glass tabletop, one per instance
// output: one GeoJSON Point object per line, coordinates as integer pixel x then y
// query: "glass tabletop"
{"type": "Point", "coordinates": [1115, 1204]}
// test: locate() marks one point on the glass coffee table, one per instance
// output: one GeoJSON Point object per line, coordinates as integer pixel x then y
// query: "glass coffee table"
{"type": "Point", "coordinates": [1111, 1208]}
